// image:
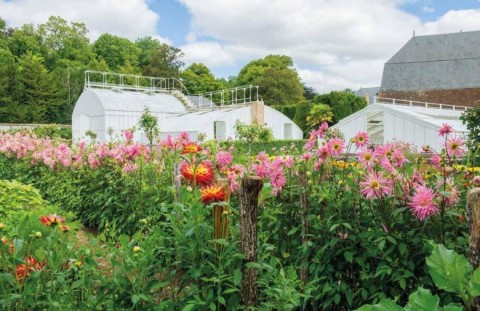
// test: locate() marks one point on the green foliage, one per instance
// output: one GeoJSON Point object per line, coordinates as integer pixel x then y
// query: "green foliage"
{"type": "Point", "coordinates": [450, 272]}
{"type": "Point", "coordinates": [342, 103]}
{"type": "Point", "coordinates": [251, 133]}
{"type": "Point", "coordinates": [199, 79]}
{"type": "Point", "coordinates": [53, 131]}
{"type": "Point", "coordinates": [288, 110]}
{"type": "Point", "coordinates": [149, 124]}
{"type": "Point", "coordinates": [116, 51]}
{"type": "Point", "coordinates": [302, 111]}
{"type": "Point", "coordinates": [273, 147]}
{"type": "Point", "coordinates": [278, 80]}
{"type": "Point", "coordinates": [159, 59]}
{"type": "Point", "coordinates": [318, 114]}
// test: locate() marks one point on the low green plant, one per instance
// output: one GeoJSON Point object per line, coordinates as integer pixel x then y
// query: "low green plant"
{"type": "Point", "coordinates": [450, 272]}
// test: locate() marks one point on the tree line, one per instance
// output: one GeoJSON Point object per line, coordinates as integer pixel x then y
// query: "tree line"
{"type": "Point", "coordinates": [42, 74]}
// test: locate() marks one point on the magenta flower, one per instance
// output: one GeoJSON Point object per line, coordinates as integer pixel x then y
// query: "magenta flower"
{"type": "Point", "coordinates": [128, 135]}
{"type": "Point", "coordinates": [361, 139]}
{"type": "Point", "coordinates": [445, 129]}
{"type": "Point", "coordinates": [223, 158]}
{"type": "Point", "coordinates": [454, 147]}
{"type": "Point", "coordinates": [422, 203]}
{"type": "Point", "coordinates": [376, 186]}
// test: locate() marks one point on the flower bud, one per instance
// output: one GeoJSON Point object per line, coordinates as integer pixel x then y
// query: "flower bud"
{"type": "Point", "coordinates": [38, 234]}
{"type": "Point", "coordinates": [2, 226]}
{"type": "Point", "coordinates": [137, 249]}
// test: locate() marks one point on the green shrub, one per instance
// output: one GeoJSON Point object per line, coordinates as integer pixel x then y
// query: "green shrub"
{"type": "Point", "coordinates": [18, 200]}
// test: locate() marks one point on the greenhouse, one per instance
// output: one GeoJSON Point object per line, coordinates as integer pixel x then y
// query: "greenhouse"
{"type": "Point", "coordinates": [417, 123]}
{"type": "Point", "coordinates": [112, 103]}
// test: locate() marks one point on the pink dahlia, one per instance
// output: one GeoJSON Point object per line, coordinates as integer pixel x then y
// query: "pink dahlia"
{"type": "Point", "coordinates": [361, 139]}
{"type": "Point", "coordinates": [336, 146]}
{"type": "Point", "coordinates": [223, 158]}
{"type": "Point", "coordinates": [445, 129]}
{"type": "Point", "coordinates": [376, 186]}
{"type": "Point", "coordinates": [422, 203]}
{"type": "Point", "coordinates": [454, 147]}
{"type": "Point", "coordinates": [366, 158]}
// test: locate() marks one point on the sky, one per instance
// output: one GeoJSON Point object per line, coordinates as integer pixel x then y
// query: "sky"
{"type": "Point", "coordinates": [334, 44]}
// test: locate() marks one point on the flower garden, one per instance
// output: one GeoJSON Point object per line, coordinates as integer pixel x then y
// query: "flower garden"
{"type": "Point", "coordinates": [120, 226]}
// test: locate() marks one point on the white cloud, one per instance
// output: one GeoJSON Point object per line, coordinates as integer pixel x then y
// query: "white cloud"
{"type": "Point", "coordinates": [210, 53]}
{"type": "Point", "coordinates": [427, 9]}
{"type": "Point", "coordinates": [127, 18]}
{"type": "Point", "coordinates": [334, 44]}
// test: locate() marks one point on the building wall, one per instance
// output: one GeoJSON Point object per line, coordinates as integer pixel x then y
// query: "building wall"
{"type": "Point", "coordinates": [459, 97]}
{"type": "Point", "coordinates": [275, 120]}
{"type": "Point", "coordinates": [398, 128]}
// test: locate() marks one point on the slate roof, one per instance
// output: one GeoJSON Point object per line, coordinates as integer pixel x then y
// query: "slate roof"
{"type": "Point", "coordinates": [435, 62]}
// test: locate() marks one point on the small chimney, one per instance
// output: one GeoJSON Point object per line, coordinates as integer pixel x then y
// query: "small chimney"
{"type": "Point", "coordinates": [257, 109]}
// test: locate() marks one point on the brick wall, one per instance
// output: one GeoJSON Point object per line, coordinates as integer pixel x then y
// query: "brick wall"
{"type": "Point", "coordinates": [459, 97]}
{"type": "Point", "coordinates": [258, 112]}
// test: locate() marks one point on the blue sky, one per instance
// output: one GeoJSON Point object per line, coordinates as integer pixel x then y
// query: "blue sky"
{"type": "Point", "coordinates": [334, 44]}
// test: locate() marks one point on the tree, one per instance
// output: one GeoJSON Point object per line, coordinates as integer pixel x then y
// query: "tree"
{"type": "Point", "coordinates": [251, 133]}
{"type": "Point", "coordinates": [199, 79]}
{"type": "Point", "coordinates": [25, 39]}
{"type": "Point", "coordinates": [301, 113]}
{"type": "Point", "coordinates": [309, 92]}
{"type": "Point", "coordinates": [149, 124]}
{"type": "Point", "coordinates": [278, 80]}
{"type": "Point", "coordinates": [318, 114]}
{"type": "Point", "coordinates": [8, 84]}
{"type": "Point", "coordinates": [343, 103]}
{"type": "Point", "coordinates": [116, 51]}
{"type": "Point", "coordinates": [61, 40]}
{"type": "Point", "coordinates": [36, 102]}
{"type": "Point", "coordinates": [159, 59]}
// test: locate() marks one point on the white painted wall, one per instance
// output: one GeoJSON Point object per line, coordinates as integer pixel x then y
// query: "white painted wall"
{"type": "Point", "coordinates": [275, 120]}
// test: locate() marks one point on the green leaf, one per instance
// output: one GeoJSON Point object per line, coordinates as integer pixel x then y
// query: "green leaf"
{"type": "Point", "coordinates": [422, 299]}
{"type": "Point", "coordinates": [348, 256]}
{"type": "Point", "coordinates": [383, 305]}
{"type": "Point", "coordinates": [449, 270]}
{"type": "Point", "coordinates": [474, 284]}
{"type": "Point", "coordinates": [453, 307]}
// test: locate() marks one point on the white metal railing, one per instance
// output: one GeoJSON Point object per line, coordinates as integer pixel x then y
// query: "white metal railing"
{"type": "Point", "coordinates": [413, 103]}
{"type": "Point", "coordinates": [232, 96]}
{"type": "Point", "coordinates": [128, 82]}
{"type": "Point", "coordinates": [119, 81]}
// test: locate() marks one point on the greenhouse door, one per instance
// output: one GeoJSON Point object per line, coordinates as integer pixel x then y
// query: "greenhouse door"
{"type": "Point", "coordinates": [287, 131]}
{"type": "Point", "coordinates": [220, 130]}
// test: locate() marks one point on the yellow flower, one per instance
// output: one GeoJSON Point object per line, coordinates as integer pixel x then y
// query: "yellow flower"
{"type": "Point", "coordinates": [137, 249]}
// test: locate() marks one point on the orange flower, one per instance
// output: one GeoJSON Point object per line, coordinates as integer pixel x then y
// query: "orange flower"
{"type": "Point", "coordinates": [52, 220]}
{"type": "Point", "coordinates": [5, 242]}
{"type": "Point", "coordinates": [30, 265]}
{"type": "Point", "coordinates": [202, 174]}
{"type": "Point", "coordinates": [64, 228]}
{"type": "Point", "coordinates": [212, 193]}
{"type": "Point", "coordinates": [191, 148]}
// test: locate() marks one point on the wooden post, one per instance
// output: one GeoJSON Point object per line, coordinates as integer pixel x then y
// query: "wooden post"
{"type": "Point", "coordinates": [250, 188]}
{"type": "Point", "coordinates": [303, 183]}
{"type": "Point", "coordinates": [473, 210]}
{"type": "Point", "coordinates": [220, 220]}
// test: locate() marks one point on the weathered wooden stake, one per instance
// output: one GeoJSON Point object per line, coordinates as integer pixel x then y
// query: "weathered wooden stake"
{"type": "Point", "coordinates": [250, 188]}
{"type": "Point", "coordinates": [303, 182]}
{"type": "Point", "coordinates": [473, 204]}
{"type": "Point", "coordinates": [221, 221]}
